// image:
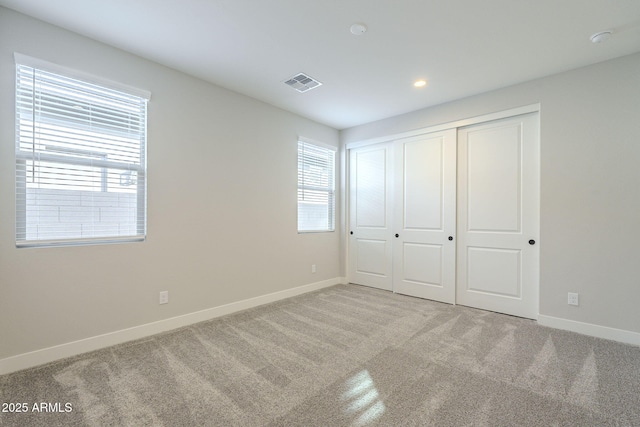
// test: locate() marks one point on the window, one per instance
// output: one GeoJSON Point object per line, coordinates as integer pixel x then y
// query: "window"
{"type": "Point", "coordinates": [80, 159]}
{"type": "Point", "coordinates": [316, 190]}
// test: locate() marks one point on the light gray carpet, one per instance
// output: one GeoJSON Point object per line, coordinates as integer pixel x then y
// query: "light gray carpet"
{"type": "Point", "coordinates": [344, 356]}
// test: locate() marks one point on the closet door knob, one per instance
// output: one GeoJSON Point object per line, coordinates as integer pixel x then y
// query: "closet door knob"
{"type": "Point", "coordinates": [532, 242]}
{"type": "Point", "coordinates": [397, 235]}
{"type": "Point", "coordinates": [450, 238]}
{"type": "Point", "coordinates": [351, 233]}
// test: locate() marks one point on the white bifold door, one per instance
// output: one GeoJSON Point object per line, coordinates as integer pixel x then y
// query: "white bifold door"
{"type": "Point", "coordinates": [450, 216]}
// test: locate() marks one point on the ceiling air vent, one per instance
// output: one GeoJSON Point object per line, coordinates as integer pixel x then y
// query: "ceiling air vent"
{"type": "Point", "coordinates": [302, 83]}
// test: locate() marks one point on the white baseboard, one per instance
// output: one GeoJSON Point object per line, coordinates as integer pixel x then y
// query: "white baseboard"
{"type": "Point", "coordinates": [620, 335]}
{"type": "Point", "coordinates": [51, 354]}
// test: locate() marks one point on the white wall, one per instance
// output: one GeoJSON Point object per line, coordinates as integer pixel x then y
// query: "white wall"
{"type": "Point", "coordinates": [222, 228]}
{"type": "Point", "coordinates": [590, 196]}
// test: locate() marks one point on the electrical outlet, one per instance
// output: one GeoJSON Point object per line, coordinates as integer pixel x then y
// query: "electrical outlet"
{"type": "Point", "coordinates": [313, 268]}
{"type": "Point", "coordinates": [164, 297]}
{"type": "Point", "coordinates": [572, 298]}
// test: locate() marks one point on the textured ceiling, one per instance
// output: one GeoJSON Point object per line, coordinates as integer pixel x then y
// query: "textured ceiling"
{"type": "Point", "coordinates": [462, 47]}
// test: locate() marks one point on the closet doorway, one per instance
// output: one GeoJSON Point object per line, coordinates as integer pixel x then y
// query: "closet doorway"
{"type": "Point", "coordinates": [450, 215]}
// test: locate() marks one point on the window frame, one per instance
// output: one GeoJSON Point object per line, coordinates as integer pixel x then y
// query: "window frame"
{"type": "Point", "coordinates": [330, 189]}
{"type": "Point", "coordinates": [69, 157]}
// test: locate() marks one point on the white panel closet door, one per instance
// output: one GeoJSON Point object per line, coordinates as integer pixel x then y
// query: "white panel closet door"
{"type": "Point", "coordinates": [498, 216]}
{"type": "Point", "coordinates": [425, 216]}
{"type": "Point", "coordinates": [370, 239]}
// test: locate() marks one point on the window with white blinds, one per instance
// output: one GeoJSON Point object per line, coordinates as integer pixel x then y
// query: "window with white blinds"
{"type": "Point", "coordinates": [80, 161]}
{"type": "Point", "coordinates": [316, 187]}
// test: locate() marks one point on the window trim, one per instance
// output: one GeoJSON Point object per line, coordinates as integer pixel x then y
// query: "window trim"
{"type": "Point", "coordinates": [332, 190]}
{"type": "Point", "coordinates": [21, 156]}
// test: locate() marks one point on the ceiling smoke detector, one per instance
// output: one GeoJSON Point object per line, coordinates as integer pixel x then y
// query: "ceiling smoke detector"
{"type": "Point", "coordinates": [358, 29]}
{"type": "Point", "coordinates": [601, 37]}
{"type": "Point", "coordinates": [302, 83]}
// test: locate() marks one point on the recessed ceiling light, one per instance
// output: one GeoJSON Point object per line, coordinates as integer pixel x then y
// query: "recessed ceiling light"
{"type": "Point", "coordinates": [420, 83]}
{"type": "Point", "coordinates": [358, 29]}
{"type": "Point", "coordinates": [601, 37]}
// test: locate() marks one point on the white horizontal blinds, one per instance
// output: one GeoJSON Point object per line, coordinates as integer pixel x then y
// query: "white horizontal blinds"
{"type": "Point", "coordinates": [316, 189]}
{"type": "Point", "coordinates": [80, 160]}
